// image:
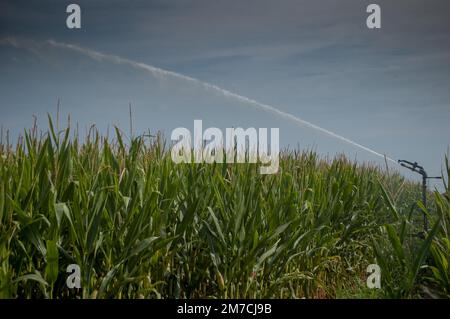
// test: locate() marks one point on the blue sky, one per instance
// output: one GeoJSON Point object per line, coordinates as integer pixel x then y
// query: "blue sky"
{"type": "Point", "coordinates": [387, 89]}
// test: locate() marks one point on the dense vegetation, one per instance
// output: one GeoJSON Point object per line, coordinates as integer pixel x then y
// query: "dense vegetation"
{"type": "Point", "coordinates": [140, 226]}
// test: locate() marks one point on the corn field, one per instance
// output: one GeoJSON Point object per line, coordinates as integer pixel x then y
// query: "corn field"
{"type": "Point", "coordinates": [140, 226]}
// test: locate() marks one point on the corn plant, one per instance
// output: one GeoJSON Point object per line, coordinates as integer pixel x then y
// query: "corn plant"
{"type": "Point", "coordinates": [140, 226]}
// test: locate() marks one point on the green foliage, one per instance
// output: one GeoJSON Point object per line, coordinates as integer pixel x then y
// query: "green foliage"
{"type": "Point", "coordinates": [139, 225]}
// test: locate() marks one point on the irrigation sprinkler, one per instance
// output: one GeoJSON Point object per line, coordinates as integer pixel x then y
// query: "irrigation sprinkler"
{"type": "Point", "coordinates": [420, 170]}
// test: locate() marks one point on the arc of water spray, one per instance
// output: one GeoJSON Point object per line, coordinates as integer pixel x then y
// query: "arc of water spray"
{"type": "Point", "coordinates": [158, 72]}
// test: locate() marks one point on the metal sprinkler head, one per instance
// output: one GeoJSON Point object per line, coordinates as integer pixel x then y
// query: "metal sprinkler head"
{"type": "Point", "coordinates": [415, 167]}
